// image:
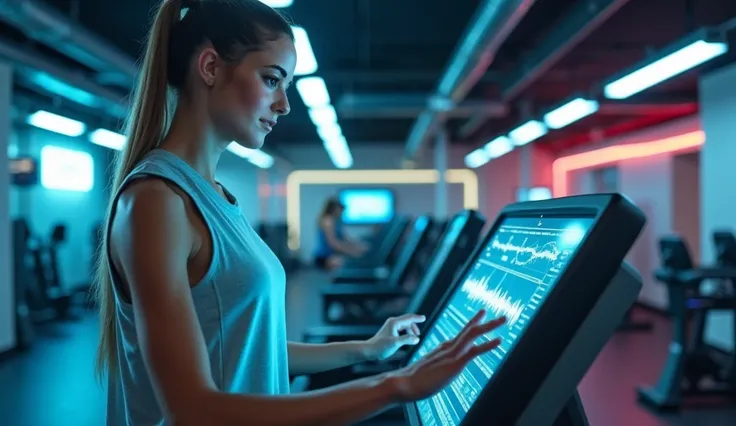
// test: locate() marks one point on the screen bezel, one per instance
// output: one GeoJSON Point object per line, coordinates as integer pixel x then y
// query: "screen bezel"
{"type": "Point", "coordinates": [368, 188]}
{"type": "Point", "coordinates": [596, 207]}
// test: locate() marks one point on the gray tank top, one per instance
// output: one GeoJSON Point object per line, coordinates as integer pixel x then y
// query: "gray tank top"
{"type": "Point", "coordinates": [240, 303]}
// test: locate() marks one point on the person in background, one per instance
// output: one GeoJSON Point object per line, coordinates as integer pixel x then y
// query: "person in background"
{"type": "Point", "coordinates": [332, 243]}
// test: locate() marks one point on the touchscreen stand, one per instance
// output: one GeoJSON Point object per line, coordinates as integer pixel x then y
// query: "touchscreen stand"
{"type": "Point", "coordinates": [555, 269]}
{"type": "Point", "coordinates": [573, 414]}
{"type": "Point", "coordinates": [591, 337]}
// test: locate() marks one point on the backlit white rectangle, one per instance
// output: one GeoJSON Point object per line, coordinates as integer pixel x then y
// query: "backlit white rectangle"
{"type": "Point", "coordinates": [477, 158]}
{"type": "Point", "coordinates": [528, 132]}
{"type": "Point", "coordinates": [278, 3]}
{"type": "Point", "coordinates": [306, 62]}
{"type": "Point", "coordinates": [323, 115]}
{"type": "Point", "coordinates": [313, 91]}
{"type": "Point", "coordinates": [570, 112]}
{"type": "Point", "coordinates": [66, 169]}
{"type": "Point", "coordinates": [658, 71]}
{"type": "Point", "coordinates": [56, 123]}
{"type": "Point", "coordinates": [108, 139]}
{"type": "Point", "coordinates": [500, 146]}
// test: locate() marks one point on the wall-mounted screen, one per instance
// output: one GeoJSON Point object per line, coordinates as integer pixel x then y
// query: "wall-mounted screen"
{"type": "Point", "coordinates": [367, 206]}
{"type": "Point", "coordinates": [66, 169]}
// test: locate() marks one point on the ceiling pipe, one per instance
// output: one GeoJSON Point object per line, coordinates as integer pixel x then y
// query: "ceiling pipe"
{"type": "Point", "coordinates": [401, 106]}
{"type": "Point", "coordinates": [31, 65]}
{"type": "Point", "coordinates": [493, 22]}
{"type": "Point", "coordinates": [52, 28]}
{"type": "Point", "coordinates": [583, 18]}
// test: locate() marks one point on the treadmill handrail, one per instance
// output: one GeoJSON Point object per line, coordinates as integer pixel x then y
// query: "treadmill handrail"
{"type": "Point", "coordinates": [364, 290]}
{"type": "Point", "coordinates": [691, 276]}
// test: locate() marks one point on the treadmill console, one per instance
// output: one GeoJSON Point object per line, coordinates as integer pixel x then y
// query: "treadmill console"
{"type": "Point", "coordinates": [537, 266]}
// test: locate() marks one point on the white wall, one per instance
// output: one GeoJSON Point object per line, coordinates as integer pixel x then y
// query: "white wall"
{"type": "Point", "coordinates": [717, 173]}
{"type": "Point", "coordinates": [80, 211]}
{"type": "Point", "coordinates": [686, 200]}
{"type": "Point", "coordinates": [648, 183]}
{"type": "Point", "coordinates": [410, 199]}
{"type": "Point", "coordinates": [657, 185]}
{"type": "Point", "coordinates": [501, 178]}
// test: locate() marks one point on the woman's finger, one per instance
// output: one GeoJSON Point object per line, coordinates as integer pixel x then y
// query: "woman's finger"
{"type": "Point", "coordinates": [475, 329]}
{"type": "Point", "coordinates": [405, 322]}
{"type": "Point", "coordinates": [477, 350]}
{"type": "Point", "coordinates": [466, 340]}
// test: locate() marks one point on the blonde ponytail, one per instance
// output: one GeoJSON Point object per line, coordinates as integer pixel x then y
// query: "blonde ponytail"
{"type": "Point", "coordinates": [146, 126]}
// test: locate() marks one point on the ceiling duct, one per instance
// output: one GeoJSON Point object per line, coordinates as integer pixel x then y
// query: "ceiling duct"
{"type": "Point", "coordinates": [48, 78]}
{"type": "Point", "coordinates": [493, 22]}
{"type": "Point", "coordinates": [52, 28]}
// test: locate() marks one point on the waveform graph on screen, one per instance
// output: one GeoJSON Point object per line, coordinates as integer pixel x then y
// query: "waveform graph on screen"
{"type": "Point", "coordinates": [498, 301]}
{"type": "Point", "coordinates": [533, 253]}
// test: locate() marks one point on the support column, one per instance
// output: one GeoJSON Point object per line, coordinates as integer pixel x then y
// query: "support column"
{"type": "Point", "coordinates": [525, 172]}
{"type": "Point", "coordinates": [7, 290]}
{"type": "Point", "coordinates": [440, 163]}
{"type": "Point", "coordinates": [717, 174]}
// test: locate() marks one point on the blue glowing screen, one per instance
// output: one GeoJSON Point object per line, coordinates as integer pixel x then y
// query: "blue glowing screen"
{"type": "Point", "coordinates": [512, 276]}
{"type": "Point", "coordinates": [367, 206]}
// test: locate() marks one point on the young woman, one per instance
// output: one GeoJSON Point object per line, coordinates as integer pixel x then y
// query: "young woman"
{"type": "Point", "coordinates": [192, 301]}
{"type": "Point", "coordinates": [331, 241]}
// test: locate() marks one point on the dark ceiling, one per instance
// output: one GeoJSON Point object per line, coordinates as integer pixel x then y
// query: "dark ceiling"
{"type": "Point", "coordinates": [376, 54]}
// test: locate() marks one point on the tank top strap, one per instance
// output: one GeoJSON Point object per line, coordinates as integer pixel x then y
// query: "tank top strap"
{"type": "Point", "coordinates": [168, 166]}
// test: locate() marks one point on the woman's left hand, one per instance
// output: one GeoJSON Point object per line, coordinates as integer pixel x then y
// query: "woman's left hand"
{"type": "Point", "coordinates": [388, 340]}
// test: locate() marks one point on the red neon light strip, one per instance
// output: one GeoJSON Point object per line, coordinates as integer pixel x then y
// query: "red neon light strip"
{"type": "Point", "coordinates": [613, 154]}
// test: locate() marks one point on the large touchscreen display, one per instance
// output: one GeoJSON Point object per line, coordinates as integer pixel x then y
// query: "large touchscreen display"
{"type": "Point", "coordinates": [512, 276]}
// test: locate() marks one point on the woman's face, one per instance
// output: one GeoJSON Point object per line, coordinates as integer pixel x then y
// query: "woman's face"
{"type": "Point", "coordinates": [247, 99]}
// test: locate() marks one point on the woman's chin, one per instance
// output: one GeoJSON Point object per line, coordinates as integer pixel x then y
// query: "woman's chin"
{"type": "Point", "coordinates": [251, 143]}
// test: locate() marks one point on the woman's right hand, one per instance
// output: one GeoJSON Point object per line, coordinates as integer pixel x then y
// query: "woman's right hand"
{"type": "Point", "coordinates": [439, 368]}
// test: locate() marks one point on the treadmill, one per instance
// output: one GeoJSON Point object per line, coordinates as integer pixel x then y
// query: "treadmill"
{"type": "Point", "coordinates": [414, 241]}
{"type": "Point", "coordinates": [383, 252]}
{"type": "Point", "coordinates": [455, 246]}
{"type": "Point", "coordinates": [555, 269]}
{"type": "Point", "coordinates": [375, 239]}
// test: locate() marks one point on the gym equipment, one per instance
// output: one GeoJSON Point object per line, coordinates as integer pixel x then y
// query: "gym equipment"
{"type": "Point", "coordinates": [725, 244]}
{"type": "Point", "coordinates": [383, 245]}
{"type": "Point", "coordinates": [47, 299]}
{"type": "Point", "coordinates": [555, 269]}
{"type": "Point", "coordinates": [435, 235]}
{"type": "Point", "coordinates": [377, 262]}
{"type": "Point", "coordinates": [693, 369]}
{"type": "Point", "coordinates": [25, 335]}
{"type": "Point", "coordinates": [457, 244]}
{"type": "Point", "coordinates": [406, 257]}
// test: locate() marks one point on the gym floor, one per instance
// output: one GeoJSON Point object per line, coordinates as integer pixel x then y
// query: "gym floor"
{"type": "Point", "coordinates": [53, 385]}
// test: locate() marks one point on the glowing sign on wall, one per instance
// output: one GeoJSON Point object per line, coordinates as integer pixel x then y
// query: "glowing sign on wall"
{"type": "Point", "coordinates": [685, 142]}
{"type": "Point", "coordinates": [66, 169]}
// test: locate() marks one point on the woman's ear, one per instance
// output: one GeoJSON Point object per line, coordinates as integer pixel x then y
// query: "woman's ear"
{"type": "Point", "coordinates": [207, 63]}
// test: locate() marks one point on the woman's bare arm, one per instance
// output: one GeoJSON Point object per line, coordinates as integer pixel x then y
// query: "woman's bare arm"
{"type": "Point", "coordinates": [307, 358]}
{"type": "Point", "coordinates": [152, 241]}
{"type": "Point", "coordinates": [344, 247]}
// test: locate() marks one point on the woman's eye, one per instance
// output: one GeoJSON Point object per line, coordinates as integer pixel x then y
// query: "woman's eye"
{"type": "Point", "coordinates": [272, 81]}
